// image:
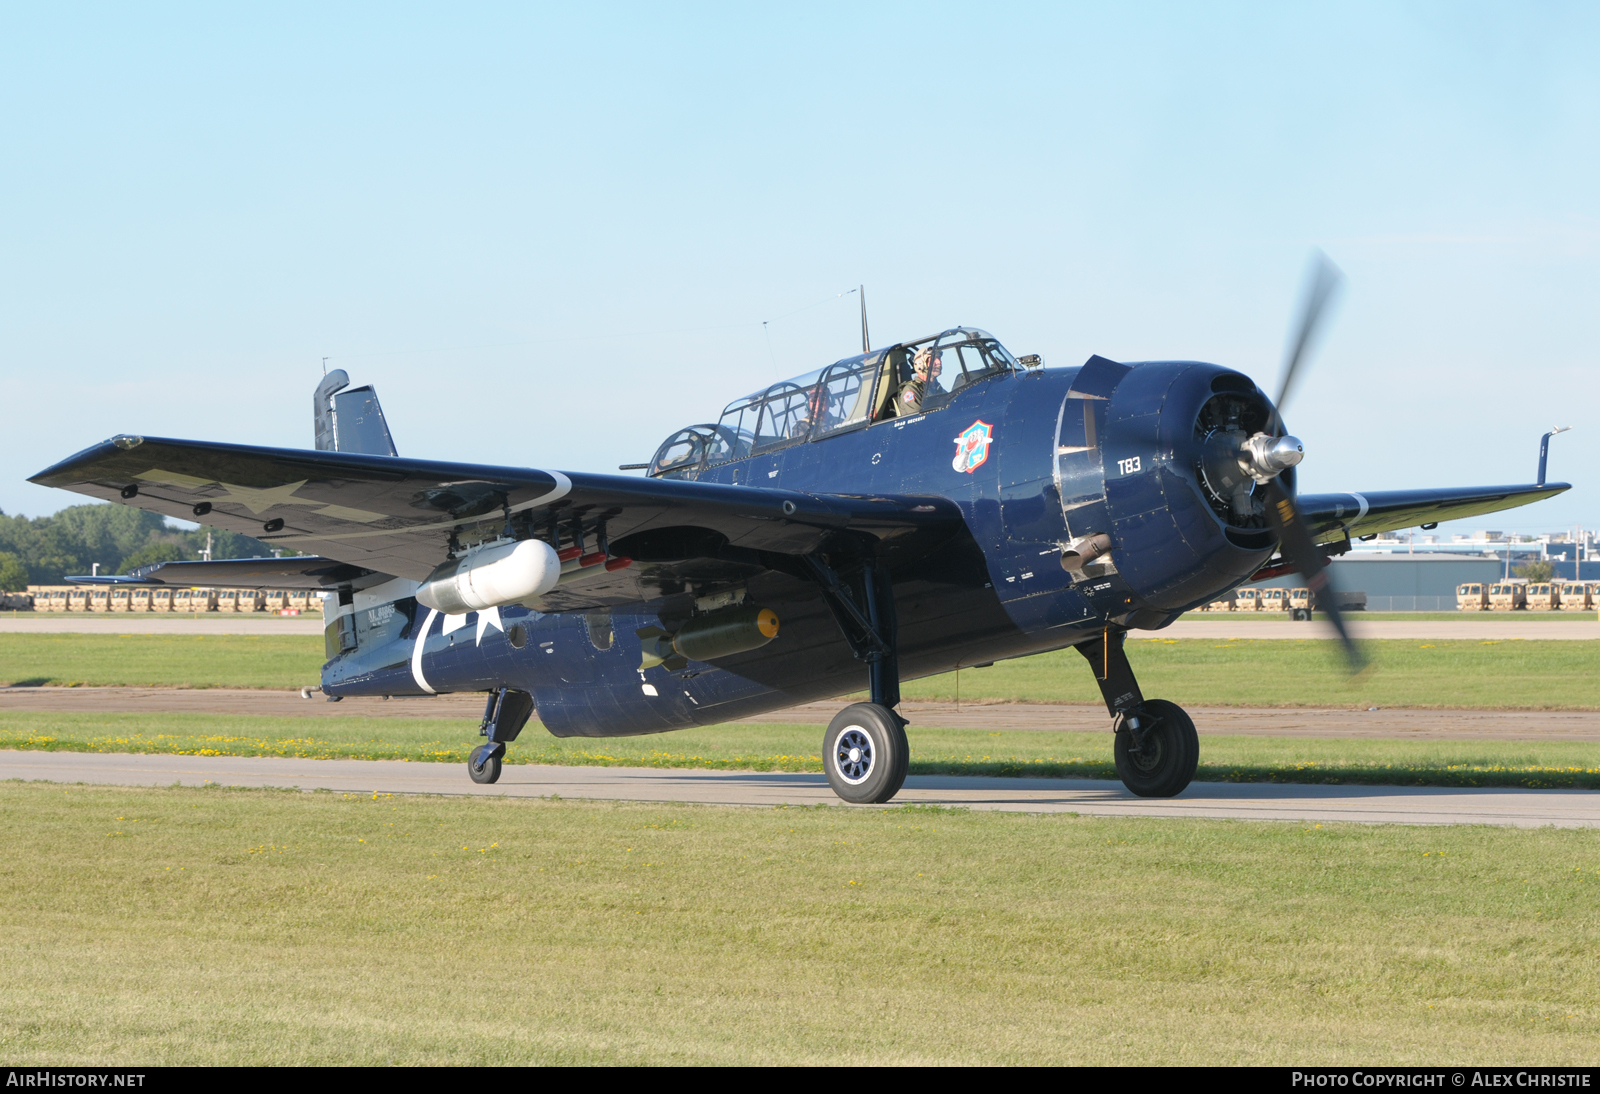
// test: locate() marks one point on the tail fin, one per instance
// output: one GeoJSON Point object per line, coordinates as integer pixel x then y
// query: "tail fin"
{"type": "Point", "coordinates": [350, 421]}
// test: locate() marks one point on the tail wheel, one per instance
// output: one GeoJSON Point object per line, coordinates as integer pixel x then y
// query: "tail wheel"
{"type": "Point", "coordinates": [1163, 763]}
{"type": "Point", "coordinates": [865, 754]}
{"type": "Point", "coordinates": [484, 763]}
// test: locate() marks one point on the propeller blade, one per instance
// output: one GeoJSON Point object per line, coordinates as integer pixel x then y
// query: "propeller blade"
{"type": "Point", "coordinates": [1322, 281]}
{"type": "Point", "coordinates": [1300, 551]}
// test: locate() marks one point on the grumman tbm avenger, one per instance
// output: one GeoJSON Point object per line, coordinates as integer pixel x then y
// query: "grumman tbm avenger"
{"type": "Point", "coordinates": [824, 533]}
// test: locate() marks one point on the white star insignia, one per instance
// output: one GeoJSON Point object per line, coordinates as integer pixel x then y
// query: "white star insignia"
{"type": "Point", "coordinates": [489, 618]}
{"type": "Point", "coordinates": [259, 499]}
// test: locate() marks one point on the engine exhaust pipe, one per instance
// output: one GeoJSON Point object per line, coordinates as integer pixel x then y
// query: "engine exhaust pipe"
{"type": "Point", "coordinates": [1082, 551]}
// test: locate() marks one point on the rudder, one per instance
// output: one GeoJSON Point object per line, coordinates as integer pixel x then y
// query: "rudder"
{"type": "Point", "coordinates": [350, 421]}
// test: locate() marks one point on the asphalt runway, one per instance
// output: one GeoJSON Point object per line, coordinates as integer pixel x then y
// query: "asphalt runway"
{"type": "Point", "coordinates": [1223, 625]}
{"type": "Point", "coordinates": [1461, 725]}
{"type": "Point", "coordinates": [1216, 801]}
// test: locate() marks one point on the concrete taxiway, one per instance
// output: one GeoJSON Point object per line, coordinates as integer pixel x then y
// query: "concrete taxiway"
{"type": "Point", "coordinates": [1238, 801]}
{"type": "Point", "coordinates": [1389, 724]}
{"type": "Point", "coordinates": [1476, 628]}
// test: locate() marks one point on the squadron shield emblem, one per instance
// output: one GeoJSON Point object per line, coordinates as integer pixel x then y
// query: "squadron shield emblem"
{"type": "Point", "coordinates": [972, 447]}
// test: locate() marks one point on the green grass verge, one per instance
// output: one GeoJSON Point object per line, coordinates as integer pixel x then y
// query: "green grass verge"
{"type": "Point", "coordinates": [1538, 764]}
{"type": "Point", "coordinates": [161, 660]}
{"type": "Point", "coordinates": [266, 927]}
{"type": "Point", "coordinates": [1511, 675]}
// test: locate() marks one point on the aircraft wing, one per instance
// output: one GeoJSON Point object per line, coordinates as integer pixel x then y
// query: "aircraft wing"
{"type": "Point", "coordinates": [391, 515]}
{"type": "Point", "coordinates": [1332, 517]}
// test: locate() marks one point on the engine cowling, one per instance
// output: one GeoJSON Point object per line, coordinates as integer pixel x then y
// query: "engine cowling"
{"type": "Point", "coordinates": [1188, 448]}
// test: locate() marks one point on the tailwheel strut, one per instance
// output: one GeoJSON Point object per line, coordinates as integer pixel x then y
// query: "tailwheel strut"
{"type": "Point", "coordinates": [508, 710]}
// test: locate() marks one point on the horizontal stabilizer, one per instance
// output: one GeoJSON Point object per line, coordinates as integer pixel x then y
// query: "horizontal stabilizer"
{"type": "Point", "coordinates": [302, 572]}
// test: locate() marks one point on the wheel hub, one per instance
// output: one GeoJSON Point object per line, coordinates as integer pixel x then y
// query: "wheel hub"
{"type": "Point", "coordinates": [1146, 749]}
{"type": "Point", "coordinates": [1147, 755]}
{"type": "Point", "coordinates": [853, 755]}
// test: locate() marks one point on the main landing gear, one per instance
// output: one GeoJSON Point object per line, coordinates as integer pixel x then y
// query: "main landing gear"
{"type": "Point", "coordinates": [508, 711]}
{"type": "Point", "coordinates": [1156, 749]}
{"type": "Point", "coordinates": [865, 753]}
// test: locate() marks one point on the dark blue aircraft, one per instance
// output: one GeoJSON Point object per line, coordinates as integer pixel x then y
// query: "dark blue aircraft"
{"type": "Point", "coordinates": [845, 528]}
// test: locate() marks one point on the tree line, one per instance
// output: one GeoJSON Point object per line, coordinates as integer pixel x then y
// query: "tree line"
{"type": "Point", "coordinates": [47, 550]}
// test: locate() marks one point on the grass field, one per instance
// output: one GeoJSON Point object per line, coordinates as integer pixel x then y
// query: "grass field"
{"type": "Point", "coordinates": [161, 660]}
{"type": "Point", "coordinates": [1517, 675]}
{"type": "Point", "coordinates": [246, 927]}
{"type": "Point", "coordinates": [1538, 764]}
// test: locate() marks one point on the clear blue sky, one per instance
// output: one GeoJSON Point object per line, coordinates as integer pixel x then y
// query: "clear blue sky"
{"type": "Point", "coordinates": [550, 235]}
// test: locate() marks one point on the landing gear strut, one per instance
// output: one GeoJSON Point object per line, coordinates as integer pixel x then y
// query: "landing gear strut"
{"type": "Point", "coordinates": [507, 712]}
{"type": "Point", "coordinates": [865, 752]}
{"type": "Point", "coordinates": [1157, 749]}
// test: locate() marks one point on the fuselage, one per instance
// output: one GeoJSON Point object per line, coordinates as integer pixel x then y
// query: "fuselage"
{"type": "Point", "coordinates": [1034, 460]}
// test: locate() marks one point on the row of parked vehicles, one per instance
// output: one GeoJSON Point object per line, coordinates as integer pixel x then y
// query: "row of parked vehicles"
{"type": "Point", "coordinates": [1519, 594]}
{"type": "Point", "coordinates": [1297, 602]}
{"type": "Point", "coordinates": [1512, 595]}
{"type": "Point", "coordinates": [103, 598]}
{"type": "Point", "coordinates": [1515, 594]}
{"type": "Point", "coordinates": [1261, 600]}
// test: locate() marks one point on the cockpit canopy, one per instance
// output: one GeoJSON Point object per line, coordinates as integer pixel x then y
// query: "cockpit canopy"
{"type": "Point", "coordinates": [846, 395]}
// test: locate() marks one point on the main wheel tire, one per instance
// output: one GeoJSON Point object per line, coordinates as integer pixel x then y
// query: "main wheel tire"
{"type": "Point", "coordinates": [1166, 764]}
{"type": "Point", "coordinates": [865, 753]}
{"type": "Point", "coordinates": [484, 764]}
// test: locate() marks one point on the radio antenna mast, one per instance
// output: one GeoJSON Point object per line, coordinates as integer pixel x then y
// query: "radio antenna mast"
{"type": "Point", "coordinates": [866, 342]}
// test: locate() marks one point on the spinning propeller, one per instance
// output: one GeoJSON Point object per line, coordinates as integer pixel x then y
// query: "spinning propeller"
{"type": "Point", "coordinates": [1266, 455]}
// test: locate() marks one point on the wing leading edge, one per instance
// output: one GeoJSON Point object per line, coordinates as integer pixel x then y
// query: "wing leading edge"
{"type": "Point", "coordinates": [1335, 517]}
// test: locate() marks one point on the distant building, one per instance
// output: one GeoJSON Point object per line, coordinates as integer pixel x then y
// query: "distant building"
{"type": "Point", "coordinates": [1571, 554]}
{"type": "Point", "coordinates": [1425, 581]}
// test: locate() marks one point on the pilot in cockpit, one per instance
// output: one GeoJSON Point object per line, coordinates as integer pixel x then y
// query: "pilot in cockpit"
{"type": "Point", "coordinates": [924, 382]}
{"type": "Point", "coordinates": [816, 416]}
